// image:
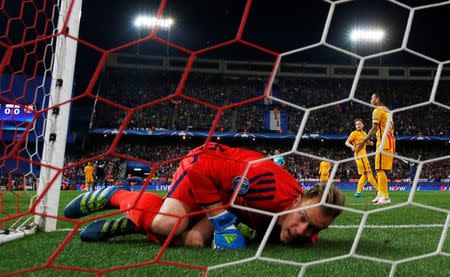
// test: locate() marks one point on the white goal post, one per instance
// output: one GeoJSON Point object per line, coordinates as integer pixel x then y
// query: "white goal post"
{"type": "Point", "coordinates": [57, 121]}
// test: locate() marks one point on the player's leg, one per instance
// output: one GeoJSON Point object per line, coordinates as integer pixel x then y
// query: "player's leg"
{"type": "Point", "coordinates": [368, 170]}
{"type": "Point", "coordinates": [365, 166]}
{"type": "Point", "coordinates": [383, 185]}
{"type": "Point", "coordinates": [361, 182]}
{"type": "Point", "coordinates": [91, 184]}
{"type": "Point", "coordinates": [94, 201]}
{"type": "Point", "coordinates": [104, 229]}
{"type": "Point", "coordinates": [324, 178]}
{"type": "Point", "coordinates": [139, 210]}
{"type": "Point", "coordinates": [382, 163]}
{"type": "Point", "coordinates": [372, 180]}
{"type": "Point", "coordinates": [374, 183]}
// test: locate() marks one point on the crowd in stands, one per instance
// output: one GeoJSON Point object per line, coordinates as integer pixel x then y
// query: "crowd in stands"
{"type": "Point", "coordinates": [299, 166]}
{"type": "Point", "coordinates": [107, 168]}
{"type": "Point", "coordinates": [110, 169]}
{"type": "Point", "coordinates": [15, 181]}
{"type": "Point", "coordinates": [137, 88]}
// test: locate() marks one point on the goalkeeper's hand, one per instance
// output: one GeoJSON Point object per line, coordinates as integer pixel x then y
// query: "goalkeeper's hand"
{"type": "Point", "coordinates": [226, 235]}
{"type": "Point", "coordinates": [246, 231]}
{"type": "Point", "coordinates": [229, 239]}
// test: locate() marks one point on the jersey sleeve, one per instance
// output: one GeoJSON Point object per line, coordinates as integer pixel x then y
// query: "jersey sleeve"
{"type": "Point", "coordinates": [376, 116]}
{"type": "Point", "coordinates": [351, 137]}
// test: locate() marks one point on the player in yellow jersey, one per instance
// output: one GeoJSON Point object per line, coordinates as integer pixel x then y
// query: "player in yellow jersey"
{"type": "Point", "coordinates": [324, 171]}
{"type": "Point", "coordinates": [383, 162]}
{"type": "Point", "coordinates": [89, 176]}
{"type": "Point", "coordinates": [362, 162]}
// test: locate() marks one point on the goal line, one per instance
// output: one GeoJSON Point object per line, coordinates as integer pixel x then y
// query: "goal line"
{"type": "Point", "coordinates": [402, 226]}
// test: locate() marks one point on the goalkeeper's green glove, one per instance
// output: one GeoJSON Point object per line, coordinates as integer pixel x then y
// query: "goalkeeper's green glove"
{"type": "Point", "coordinates": [246, 231]}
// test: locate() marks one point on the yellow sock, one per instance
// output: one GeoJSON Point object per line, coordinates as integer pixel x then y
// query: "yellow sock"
{"type": "Point", "coordinates": [382, 183]}
{"type": "Point", "coordinates": [372, 181]}
{"type": "Point", "coordinates": [361, 182]}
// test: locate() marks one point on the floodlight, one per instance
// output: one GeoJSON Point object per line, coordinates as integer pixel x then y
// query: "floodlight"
{"type": "Point", "coordinates": [151, 21]}
{"type": "Point", "coordinates": [367, 35]}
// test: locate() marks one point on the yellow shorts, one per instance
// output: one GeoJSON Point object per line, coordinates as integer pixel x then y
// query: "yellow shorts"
{"type": "Point", "coordinates": [363, 165]}
{"type": "Point", "coordinates": [89, 179]}
{"type": "Point", "coordinates": [384, 162]}
{"type": "Point", "coordinates": [324, 178]}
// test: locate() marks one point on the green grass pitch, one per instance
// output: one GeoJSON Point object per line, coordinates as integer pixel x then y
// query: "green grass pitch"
{"type": "Point", "coordinates": [418, 237]}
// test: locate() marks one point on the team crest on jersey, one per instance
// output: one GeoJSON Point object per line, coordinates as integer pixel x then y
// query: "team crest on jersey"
{"type": "Point", "coordinates": [244, 187]}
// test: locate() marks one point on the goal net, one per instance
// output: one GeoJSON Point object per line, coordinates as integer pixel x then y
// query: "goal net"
{"type": "Point", "coordinates": [37, 58]}
{"type": "Point", "coordinates": [182, 92]}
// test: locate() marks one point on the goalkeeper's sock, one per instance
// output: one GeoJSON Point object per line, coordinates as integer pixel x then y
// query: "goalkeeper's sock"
{"type": "Point", "coordinates": [225, 236]}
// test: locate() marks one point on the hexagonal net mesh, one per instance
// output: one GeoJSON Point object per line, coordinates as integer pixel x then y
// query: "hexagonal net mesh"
{"type": "Point", "coordinates": [28, 43]}
{"type": "Point", "coordinates": [32, 74]}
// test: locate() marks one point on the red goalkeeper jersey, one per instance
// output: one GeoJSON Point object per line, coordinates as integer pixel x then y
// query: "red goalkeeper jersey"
{"type": "Point", "coordinates": [211, 176]}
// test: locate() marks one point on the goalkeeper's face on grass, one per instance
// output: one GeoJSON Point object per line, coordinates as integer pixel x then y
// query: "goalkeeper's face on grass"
{"type": "Point", "coordinates": [300, 226]}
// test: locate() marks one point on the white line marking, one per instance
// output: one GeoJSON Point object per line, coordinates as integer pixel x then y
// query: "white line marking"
{"type": "Point", "coordinates": [388, 226]}
{"type": "Point", "coordinates": [356, 226]}
{"type": "Point", "coordinates": [65, 230]}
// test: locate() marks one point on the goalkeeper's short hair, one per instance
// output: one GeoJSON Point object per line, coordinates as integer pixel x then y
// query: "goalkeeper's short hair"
{"type": "Point", "coordinates": [334, 197]}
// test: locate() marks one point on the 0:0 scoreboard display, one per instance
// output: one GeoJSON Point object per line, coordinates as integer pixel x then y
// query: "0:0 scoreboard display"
{"type": "Point", "coordinates": [16, 113]}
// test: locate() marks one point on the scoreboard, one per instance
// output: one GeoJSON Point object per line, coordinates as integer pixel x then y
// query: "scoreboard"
{"type": "Point", "coordinates": [12, 115]}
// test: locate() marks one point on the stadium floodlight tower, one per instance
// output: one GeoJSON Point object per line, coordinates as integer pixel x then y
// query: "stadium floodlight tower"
{"type": "Point", "coordinates": [367, 37]}
{"type": "Point", "coordinates": [149, 22]}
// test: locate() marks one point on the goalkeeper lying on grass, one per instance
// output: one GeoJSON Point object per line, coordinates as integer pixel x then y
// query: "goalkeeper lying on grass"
{"type": "Point", "coordinates": [206, 180]}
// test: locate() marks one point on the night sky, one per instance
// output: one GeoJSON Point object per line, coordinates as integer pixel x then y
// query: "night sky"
{"type": "Point", "coordinates": [279, 26]}
{"type": "Point", "coordinates": [276, 25]}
